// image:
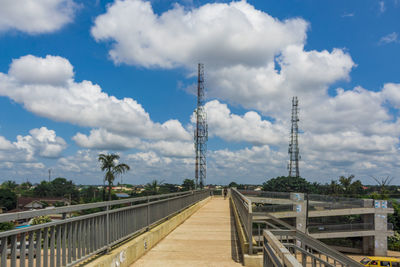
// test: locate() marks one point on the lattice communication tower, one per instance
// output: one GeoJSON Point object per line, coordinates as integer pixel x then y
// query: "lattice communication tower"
{"type": "Point", "coordinates": [294, 153]}
{"type": "Point", "coordinates": [201, 131]}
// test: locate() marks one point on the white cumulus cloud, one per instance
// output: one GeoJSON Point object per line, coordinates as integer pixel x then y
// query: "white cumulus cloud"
{"type": "Point", "coordinates": [216, 34]}
{"type": "Point", "coordinates": [36, 16]}
{"type": "Point", "coordinates": [46, 87]}
{"type": "Point", "coordinates": [250, 127]}
{"type": "Point", "coordinates": [41, 142]}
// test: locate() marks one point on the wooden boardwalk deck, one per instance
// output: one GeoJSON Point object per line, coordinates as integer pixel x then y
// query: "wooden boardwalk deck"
{"type": "Point", "coordinates": [207, 238]}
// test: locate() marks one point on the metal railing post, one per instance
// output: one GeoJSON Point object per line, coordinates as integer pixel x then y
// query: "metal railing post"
{"type": "Point", "coordinates": [250, 227]}
{"type": "Point", "coordinates": [108, 227]}
{"type": "Point", "coordinates": [148, 213]}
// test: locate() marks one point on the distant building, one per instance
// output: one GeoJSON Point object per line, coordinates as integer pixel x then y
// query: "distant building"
{"type": "Point", "coordinates": [29, 203]}
{"type": "Point", "coordinates": [122, 195]}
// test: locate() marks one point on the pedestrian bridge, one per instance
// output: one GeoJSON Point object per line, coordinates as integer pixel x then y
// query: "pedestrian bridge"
{"type": "Point", "coordinates": [194, 229]}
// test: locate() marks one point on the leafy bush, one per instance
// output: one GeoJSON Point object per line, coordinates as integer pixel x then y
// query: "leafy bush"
{"type": "Point", "coordinates": [6, 226]}
{"type": "Point", "coordinates": [394, 241]}
{"type": "Point", "coordinates": [40, 220]}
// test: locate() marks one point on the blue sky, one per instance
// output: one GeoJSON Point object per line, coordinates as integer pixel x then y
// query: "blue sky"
{"type": "Point", "coordinates": [341, 59]}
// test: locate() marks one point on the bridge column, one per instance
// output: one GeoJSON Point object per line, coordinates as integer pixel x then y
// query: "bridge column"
{"type": "Point", "coordinates": [380, 223]}
{"type": "Point", "coordinates": [367, 241]}
{"type": "Point", "coordinates": [300, 207]}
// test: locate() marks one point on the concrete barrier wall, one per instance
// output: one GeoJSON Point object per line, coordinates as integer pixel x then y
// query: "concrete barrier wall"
{"type": "Point", "coordinates": [131, 251]}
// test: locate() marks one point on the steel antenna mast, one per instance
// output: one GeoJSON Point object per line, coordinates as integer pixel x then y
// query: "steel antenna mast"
{"type": "Point", "coordinates": [201, 131]}
{"type": "Point", "coordinates": [294, 152]}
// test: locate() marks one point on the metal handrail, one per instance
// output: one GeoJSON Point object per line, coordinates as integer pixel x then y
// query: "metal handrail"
{"type": "Point", "coordinates": [340, 227]}
{"type": "Point", "coordinates": [313, 245]}
{"type": "Point", "coordinates": [70, 241]}
{"type": "Point", "coordinates": [74, 208]}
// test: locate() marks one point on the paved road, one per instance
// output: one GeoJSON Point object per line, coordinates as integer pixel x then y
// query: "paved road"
{"type": "Point", "coordinates": [207, 238]}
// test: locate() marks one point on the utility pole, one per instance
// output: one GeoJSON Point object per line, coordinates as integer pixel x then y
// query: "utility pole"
{"type": "Point", "coordinates": [201, 132]}
{"type": "Point", "coordinates": [294, 152]}
{"type": "Point", "coordinates": [49, 175]}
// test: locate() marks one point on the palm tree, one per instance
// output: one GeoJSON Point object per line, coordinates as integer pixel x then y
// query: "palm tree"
{"type": "Point", "coordinates": [153, 187]}
{"type": "Point", "coordinates": [383, 184]}
{"type": "Point", "coordinates": [108, 164]}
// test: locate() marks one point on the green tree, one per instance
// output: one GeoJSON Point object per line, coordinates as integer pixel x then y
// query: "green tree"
{"type": "Point", "coordinates": [110, 166]}
{"type": "Point", "coordinates": [61, 187]}
{"type": "Point", "coordinates": [383, 184]}
{"type": "Point", "coordinates": [25, 189]}
{"type": "Point", "coordinates": [43, 189]}
{"type": "Point", "coordinates": [89, 194]}
{"type": "Point", "coordinates": [153, 188]}
{"type": "Point", "coordinates": [395, 217]}
{"type": "Point", "coordinates": [10, 185]}
{"type": "Point", "coordinates": [287, 184]}
{"type": "Point", "coordinates": [168, 188]}
{"type": "Point", "coordinates": [8, 199]}
{"type": "Point", "coordinates": [334, 188]}
{"type": "Point", "coordinates": [350, 188]}
{"type": "Point", "coordinates": [188, 184]}
{"type": "Point", "coordinates": [233, 184]}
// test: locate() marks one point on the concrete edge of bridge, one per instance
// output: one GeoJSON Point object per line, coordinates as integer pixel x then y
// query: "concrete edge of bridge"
{"type": "Point", "coordinates": [131, 251]}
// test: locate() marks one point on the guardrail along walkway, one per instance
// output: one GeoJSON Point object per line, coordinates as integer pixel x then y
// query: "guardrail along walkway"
{"type": "Point", "coordinates": [205, 239]}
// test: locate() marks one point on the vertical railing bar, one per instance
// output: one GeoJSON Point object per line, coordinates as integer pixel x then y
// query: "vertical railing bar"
{"type": "Point", "coordinates": [113, 224]}
{"type": "Point", "coordinates": [79, 239]}
{"type": "Point", "coordinates": [94, 238]}
{"type": "Point", "coordinates": [96, 231]}
{"type": "Point", "coordinates": [101, 230]}
{"type": "Point", "coordinates": [13, 251]}
{"type": "Point", "coordinates": [119, 226]}
{"type": "Point", "coordinates": [83, 238]}
{"type": "Point", "coordinates": [100, 234]}
{"type": "Point", "coordinates": [52, 245]}
{"type": "Point", "coordinates": [87, 237]}
{"type": "Point", "coordinates": [3, 251]}
{"type": "Point", "coordinates": [125, 223]}
{"type": "Point", "coordinates": [148, 212]}
{"type": "Point", "coordinates": [30, 251]}
{"type": "Point", "coordinates": [46, 247]}
{"type": "Point", "coordinates": [58, 256]}
{"type": "Point", "coordinates": [38, 247]}
{"type": "Point", "coordinates": [92, 234]}
{"type": "Point", "coordinates": [116, 214]}
{"type": "Point", "coordinates": [22, 249]}
{"type": "Point", "coordinates": [74, 230]}
{"type": "Point", "coordinates": [91, 228]}
{"type": "Point", "coordinates": [64, 244]}
{"type": "Point", "coordinates": [108, 227]}
{"type": "Point", "coordinates": [69, 238]}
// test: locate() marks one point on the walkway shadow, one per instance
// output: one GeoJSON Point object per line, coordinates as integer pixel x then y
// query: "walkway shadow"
{"type": "Point", "coordinates": [236, 251]}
